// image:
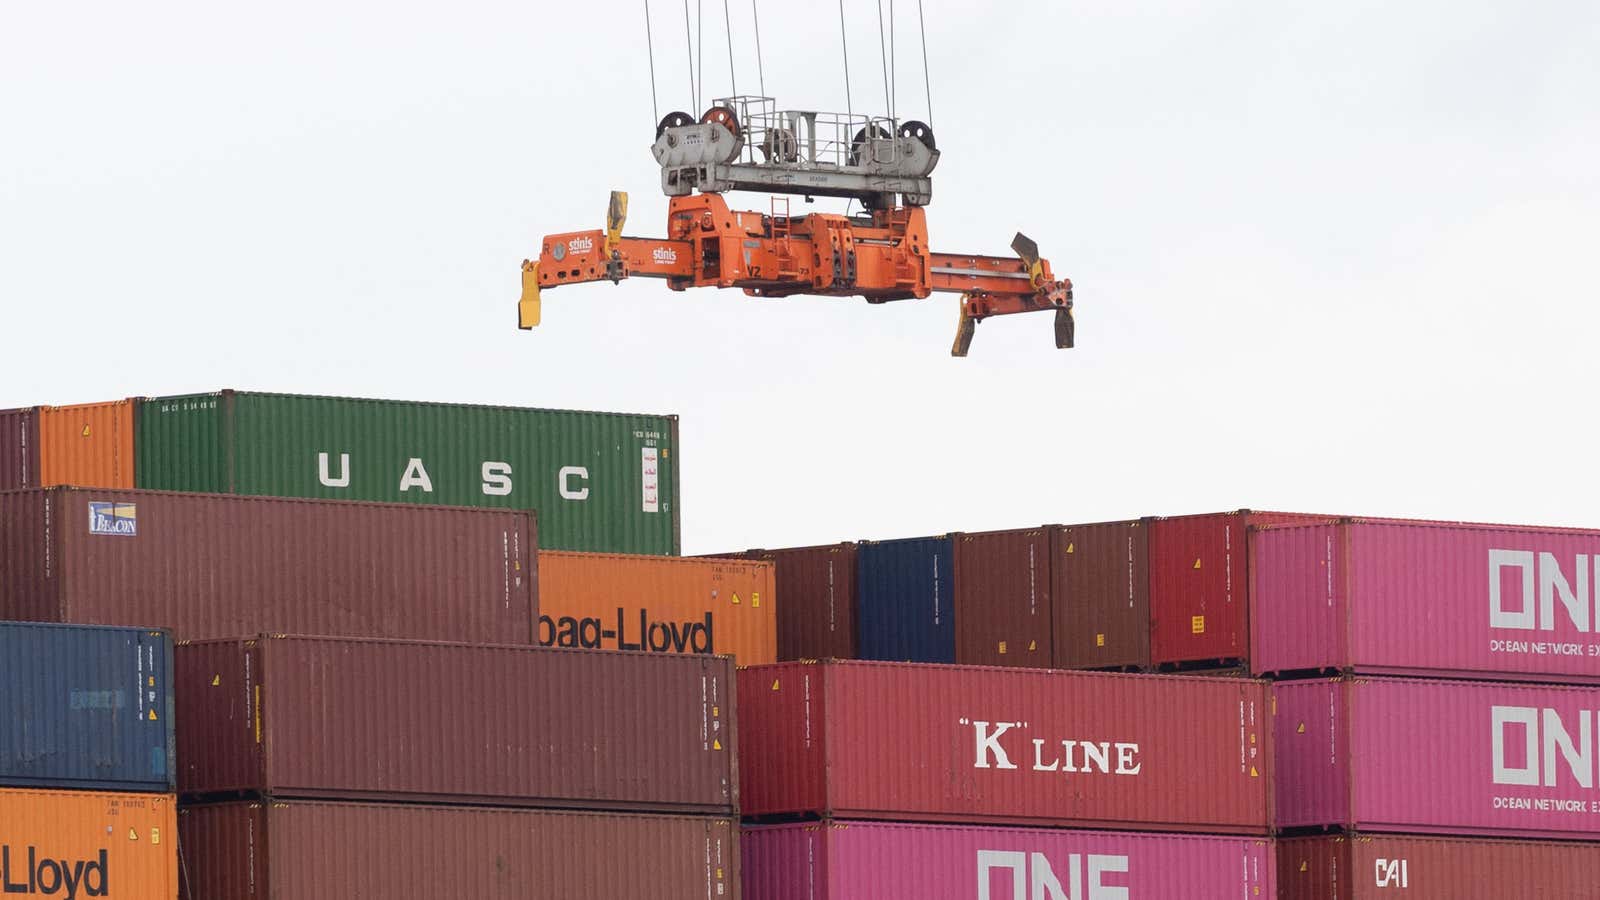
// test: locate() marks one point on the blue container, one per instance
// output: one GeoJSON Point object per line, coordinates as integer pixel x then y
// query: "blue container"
{"type": "Point", "coordinates": [904, 600]}
{"type": "Point", "coordinates": [86, 707]}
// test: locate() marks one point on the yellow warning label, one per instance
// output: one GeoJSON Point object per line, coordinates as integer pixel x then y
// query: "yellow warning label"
{"type": "Point", "coordinates": [1100, 639]}
{"type": "Point", "coordinates": [774, 684]}
{"type": "Point", "coordinates": [152, 713]}
{"type": "Point", "coordinates": [1301, 729]}
{"type": "Point", "coordinates": [216, 680]}
{"type": "Point", "coordinates": [1254, 773]}
{"type": "Point", "coordinates": [1032, 646]}
{"type": "Point", "coordinates": [736, 598]}
{"type": "Point", "coordinates": [1302, 865]}
{"type": "Point", "coordinates": [86, 429]}
{"type": "Point", "coordinates": [155, 835]}
{"type": "Point", "coordinates": [719, 871]}
{"type": "Point", "coordinates": [1002, 646]}
{"type": "Point", "coordinates": [1252, 738]}
{"type": "Point", "coordinates": [1072, 548]}
{"type": "Point", "coordinates": [716, 744]}
{"type": "Point", "coordinates": [755, 599]}
{"type": "Point", "coordinates": [152, 681]}
{"type": "Point", "coordinates": [1197, 625]}
{"type": "Point", "coordinates": [1197, 564]}
{"type": "Point", "coordinates": [133, 834]}
{"type": "Point", "coordinates": [714, 711]}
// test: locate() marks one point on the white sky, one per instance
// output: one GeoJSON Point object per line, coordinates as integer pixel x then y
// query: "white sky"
{"type": "Point", "coordinates": [1328, 257]}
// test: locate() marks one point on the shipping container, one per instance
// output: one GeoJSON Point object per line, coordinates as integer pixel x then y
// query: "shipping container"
{"type": "Point", "coordinates": [658, 604]}
{"type": "Point", "coordinates": [1001, 598]}
{"type": "Point", "coordinates": [393, 720]}
{"type": "Point", "coordinates": [75, 844]}
{"type": "Point", "coordinates": [86, 707]}
{"type": "Point", "coordinates": [19, 449]}
{"type": "Point", "coordinates": [965, 744]}
{"type": "Point", "coordinates": [1379, 866]}
{"type": "Point", "coordinates": [308, 849]}
{"type": "Point", "coordinates": [600, 481]}
{"type": "Point", "coordinates": [205, 565]}
{"type": "Point", "coordinates": [87, 445]}
{"type": "Point", "coordinates": [817, 586]}
{"type": "Point", "coordinates": [860, 860]}
{"type": "Point", "coordinates": [1199, 570]}
{"type": "Point", "coordinates": [1436, 757]}
{"type": "Point", "coordinates": [1426, 598]}
{"type": "Point", "coordinates": [905, 608]}
{"type": "Point", "coordinates": [1100, 595]}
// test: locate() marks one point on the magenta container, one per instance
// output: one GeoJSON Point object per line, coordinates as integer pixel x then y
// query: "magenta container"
{"type": "Point", "coordinates": [849, 860]}
{"type": "Point", "coordinates": [1437, 757]}
{"type": "Point", "coordinates": [1440, 599]}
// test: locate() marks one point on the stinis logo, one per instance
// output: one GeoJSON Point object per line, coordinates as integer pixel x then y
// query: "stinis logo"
{"type": "Point", "coordinates": [657, 636]}
{"type": "Point", "coordinates": [664, 255]}
{"type": "Point", "coordinates": [1069, 756]}
{"type": "Point", "coordinates": [53, 877]}
{"type": "Point", "coordinates": [1034, 878]}
{"type": "Point", "coordinates": [1537, 583]}
{"type": "Point", "coordinates": [580, 245]}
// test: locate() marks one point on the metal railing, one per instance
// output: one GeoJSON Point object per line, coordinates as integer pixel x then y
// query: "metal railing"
{"type": "Point", "coordinates": [806, 139]}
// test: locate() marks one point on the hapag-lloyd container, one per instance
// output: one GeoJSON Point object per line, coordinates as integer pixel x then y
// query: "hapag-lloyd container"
{"type": "Point", "coordinates": [88, 445]}
{"type": "Point", "coordinates": [1001, 595]}
{"type": "Point", "coordinates": [600, 481]}
{"type": "Point", "coordinates": [306, 849]}
{"type": "Point", "coordinates": [19, 449]}
{"type": "Point", "coordinates": [85, 707]}
{"type": "Point", "coordinates": [905, 609]}
{"type": "Point", "coordinates": [1380, 866]}
{"type": "Point", "coordinates": [80, 844]}
{"type": "Point", "coordinates": [1437, 757]}
{"type": "Point", "coordinates": [1426, 598]}
{"type": "Point", "coordinates": [1100, 595]}
{"type": "Point", "coordinates": [658, 604]}
{"type": "Point", "coordinates": [1005, 746]}
{"type": "Point", "coordinates": [394, 720]}
{"type": "Point", "coordinates": [206, 565]}
{"type": "Point", "coordinates": [817, 615]}
{"type": "Point", "coordinates": [859, 860]}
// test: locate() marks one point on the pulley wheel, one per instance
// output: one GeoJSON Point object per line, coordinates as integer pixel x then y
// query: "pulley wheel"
{"type": "Point", "coordinates": [721, 115]}
{"type": "Point", "coordinates": [859, 142]}
{"type": "Point", "coordinates": [780, 145]}
{"type": "Point", "coordinates": [921, 131]}
{"type": "Point", "coordinates": [673, 120]}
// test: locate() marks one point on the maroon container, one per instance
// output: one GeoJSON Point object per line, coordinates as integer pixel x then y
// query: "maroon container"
{"type": "Point", "coordinates": [1002, 598]}
{"type": "Point", "coordinates": [396, 720]}
{"type": "Point", "coordinates": [1100, 595]}
{"type": "Point", "coordinates": [816, 597]}
{"type": "Point", "coordinates": [19, 448]}
{"type": "Point", "coordinates": [309, 849]}
{"type": "Point", "coordinates": [976, 745]}
{"type": "Point", "coordinates": [1381, 866]}
{"type": "Point", "coordinates": [211, 565]}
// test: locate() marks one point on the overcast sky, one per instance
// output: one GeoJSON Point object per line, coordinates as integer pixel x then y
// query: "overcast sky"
{"type": "Point", "coordinates": [1328, 257]}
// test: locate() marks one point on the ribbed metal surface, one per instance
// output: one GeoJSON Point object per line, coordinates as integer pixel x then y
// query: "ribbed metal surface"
{"type": "Point", "coordinates": [304, 850]}
{"type": "Point", "coordinates": [856, 860]}
{"type": "Point", "coordinates": [88, 445]}
{"type": "Point", "coordinates": [206, 565]}
{"type": "Point", "coordinates": [82, 844]}
{"type": "Point", "coordinates": [1001, 595]}
{"type": "Point", "coordinates": [600, 481]}
{"type": "Point", "coordinates": [390, 720]}
{"type": "Point", "coordinates": [1380, 866]}
{"type": "Point", "coordinates": [905, 607]}
{"type": "Point", "coordinates": [1100, 595]}
{"type": "Point", "coordinates": [19, 449]}
{"type": "Point", "coordinates": [817, 612]}
{"type": "Point", "coordinates": [86, 707]}
{"type": "Point", "coordinates": [986, 745]}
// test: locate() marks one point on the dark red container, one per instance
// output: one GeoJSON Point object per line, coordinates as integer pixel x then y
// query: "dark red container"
{"type": "Point", "coordinates": [211, 565]}
{"type": "Point", "coordinates": [1199, 595]}
{"type": "Point", "coordinates": [1379, 866]}
{"type": "Point", "coordinates": [19, 448]}
{"type": "Point", "coordinates": [1100, 595]}
{"type": "Point", "coordinates": [962, 744]}
{"type": "Point", "coordinates": [1002, 598]}
{"type": "Point", "coordinates": [415, 721]}
{"type": "Point", "coordinates": [308, 849]}
{"type": "Point", "coordinates": [816, 597]}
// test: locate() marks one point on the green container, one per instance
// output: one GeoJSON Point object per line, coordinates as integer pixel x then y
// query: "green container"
{"type": "Point", "coordinates": [604, 482]}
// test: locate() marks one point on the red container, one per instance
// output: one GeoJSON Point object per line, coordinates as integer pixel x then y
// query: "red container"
{"type": "Point", "coordinates": [1011, 746]}
{"type": "Point", "coordinates": [816, 590]}
{"type": "Point", "coordinates": [19, 448]}
{"type": "Point", "coordinates": [1426, 599]}
{"type": "Point", "coordinates": [1100, 595]}
{"type": "Point", "coordinates": [393, 720]}
{"type": "Point", "coordinates": [210, 565]}
{"type": "Point", "coordinates": [1380, 866]}
{"type": "Point", "coordinates": [1199, 570]}
{"type": "Point", "coordinates": [1002, 598]}
{"type": "Point", "coordinates": [860, 860]}
{"type": "Point", "coordinates": [307, 849]}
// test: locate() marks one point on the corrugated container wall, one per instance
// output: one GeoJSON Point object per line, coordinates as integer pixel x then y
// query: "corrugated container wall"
{"type": "Point", "coordinates": [307, 717]}
{"type": "Point", "coordinates": [836, 860]}
{"type": "Point", "coordinates": [904, 600]}
{"type": "Point", "coordinates": [1436, 757]}
{"type": "Point", "coordinates": [1100, 595]}
{"type": "Point", "coordinates": [673, 604]}
{"type": "Point", "coordinates": [77, 844]}
{"type": "Point", "coordinates": [304, 850]}
{"type": "Point", "coordinates": [1001, 596]}
{"type": "Point", "coordinates": [204, 565]}
{"type": "Point", "coordinates": [88, 445]}
{"type": "Point", "coordinates": [600, 481]}
{"type": "Point", "coordinates": [1005, 746]}
{"type": "Point", "coordinates": [1379, 866]}
{"type": "Point", "coordinates": [19, 449]}
{"type": "Point", "coordinates": [1429, 599]}
{"type": "Point", "coordinates": [86, 707]}
{"type": "Point", "coordinates": [816, 588]}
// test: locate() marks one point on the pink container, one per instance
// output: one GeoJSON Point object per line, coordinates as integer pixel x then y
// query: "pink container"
{"type": "Point", "coordinates": [1437, 757]}
{"type": "Point", "coordinates": [1426, 598]}
{"type": "Point", "coordinates": [839, 860]}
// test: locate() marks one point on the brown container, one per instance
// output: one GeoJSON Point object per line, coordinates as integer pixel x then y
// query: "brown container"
{"type": "Point", "coordinates": [208, 565]}
{"type": "Point", "coordinates": [414, 721]}
{"type": "Point", "coordinates": [19, 448]}
{"type": "Point", "coordinates": [1377, 866]}
{"type": "Point", "coordinates": [61, 844]}
{"type": "Point", "coordinates": [817, 618]}
{"type": "Point", "coordinates": [89, 445]}
{"type": "Point", "coordinates": [661, 604]}
{"type": "Point", "coordinates": [1100, 595]}
{"type": "Point", "coordinates": [306, 850]}
{"type": "Point", "coordinates": [1002, 598]}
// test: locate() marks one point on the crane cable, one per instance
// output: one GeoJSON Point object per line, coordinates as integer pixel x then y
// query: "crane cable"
{"type": "Point", "coordinates": [926, 83]}
{"type": "Point", "coordinates": [760, 70]}
{"type": "Point", "coordinates": [727, 23]}
{"type": "Point", "coordinates": [688, 43]}
{"type": "Point", "coordinates": [700, 49]}
{"type": "Point", "coordinates": [650, 45]}
{"type": "Point", "coordinates": [883, 56]}
{"type": "Point", "coordinates": [849, 109]}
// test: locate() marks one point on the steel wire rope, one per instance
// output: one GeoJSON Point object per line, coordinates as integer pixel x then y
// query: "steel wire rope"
{"type": "Point", "coordinates": [844, 43]}
{"type": "Point", "coordinates": [650, 46]}
{"type": "Point", "coordinates": [883, 56]}
{"type": "Point", "coordinates": [927, 84]}
{"type": "Point", "coordinates": [894, 70]}
{"type": "Point", "coordinates": [760, 69]}
{"type": "Point", "coordinates": [700, 50]}
{"type": "Point", "coordinates": [727, 23]}
{"type": "Point", "coordinates": [688, 44]}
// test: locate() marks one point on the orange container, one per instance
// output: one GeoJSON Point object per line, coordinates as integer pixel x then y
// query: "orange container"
{"type": "Point", "coordinates": [665, 604]}
{"type": "Point", "coordinates": [88, 445]}
{"type": "Point", "coordinates": [89, 844]}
